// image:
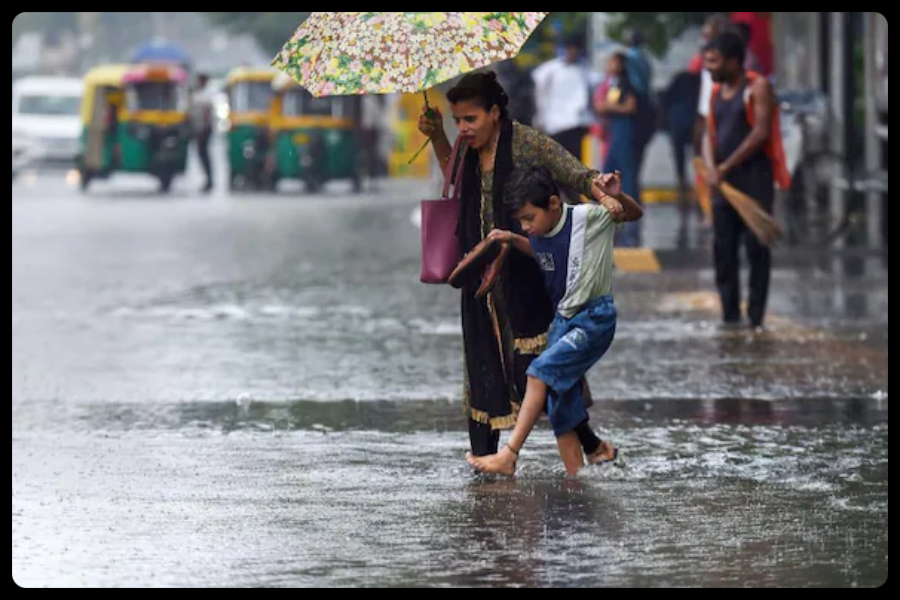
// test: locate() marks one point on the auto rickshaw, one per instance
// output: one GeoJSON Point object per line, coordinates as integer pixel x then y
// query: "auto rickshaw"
{"type": "Point", "coordinates": [135, 120]}
{"type": "Point", "coordinates": [249, 99]}
{"type": "Point", "coordinates": [312, 139]}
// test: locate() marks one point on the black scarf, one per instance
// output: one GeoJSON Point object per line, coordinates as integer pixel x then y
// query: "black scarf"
{"type": "Point", "coordinates": [526, 303]}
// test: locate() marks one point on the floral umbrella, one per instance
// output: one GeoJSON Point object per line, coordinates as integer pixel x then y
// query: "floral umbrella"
{"type": "Point", "coordinates": [344, 53]}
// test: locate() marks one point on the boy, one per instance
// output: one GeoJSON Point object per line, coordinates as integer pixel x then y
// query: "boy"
{"type": "Point", "coordinates": [573, 245]}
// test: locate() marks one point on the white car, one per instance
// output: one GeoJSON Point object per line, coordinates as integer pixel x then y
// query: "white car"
{"type": "Point", "coordinates": [46, 117]}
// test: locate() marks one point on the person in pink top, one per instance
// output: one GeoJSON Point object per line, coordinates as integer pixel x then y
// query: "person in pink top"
{"type": "Point", "coordinates": [600, 128]}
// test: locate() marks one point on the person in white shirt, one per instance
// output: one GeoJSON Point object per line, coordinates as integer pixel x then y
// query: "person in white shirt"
{"type": "Point", "coordinates": [562, 100]}
{"type": "Point", "coordinates": [562, 97]}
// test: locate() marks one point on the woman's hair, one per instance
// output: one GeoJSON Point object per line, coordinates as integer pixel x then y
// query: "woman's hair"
{"type": "Point", "coordinates": [482, 88]}
{"type": "Point", "coordinates": [623, 61]}
{"type": "Point", "coordinates": [529, 185]}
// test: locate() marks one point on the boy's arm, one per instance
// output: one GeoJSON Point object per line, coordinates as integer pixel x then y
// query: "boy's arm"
{"type": "Point", "coordinates": [609, 185]}
{"type": "Point", "coordinates": [519, 242]}
{"type": "Point", "coordinates": [632, 211]}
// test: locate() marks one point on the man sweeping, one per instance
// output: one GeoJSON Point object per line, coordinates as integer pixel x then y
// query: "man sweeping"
{"type": "Point", "coordinates": [742, 146]}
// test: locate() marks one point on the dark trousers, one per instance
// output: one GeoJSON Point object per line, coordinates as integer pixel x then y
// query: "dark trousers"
{"type": "Point", "coordinates": [483, 440]}
{"type": "Point", "coordinates": [203, 152]}
{"type": "Point", "coordinates": [729, 229]}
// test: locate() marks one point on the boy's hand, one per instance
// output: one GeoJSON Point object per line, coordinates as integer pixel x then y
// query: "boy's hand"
{"type": "Point", "coordinates": [615, 208]}
{"type": "Point", "coordinates": [500, 235]}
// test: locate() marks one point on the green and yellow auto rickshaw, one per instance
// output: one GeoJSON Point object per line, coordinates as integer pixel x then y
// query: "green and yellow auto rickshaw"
{"type": "Point", "coordinates": [250, 96]}
{"type": "Point", "coordinates": [135, 120]}
{"type": "Point", "coordinates": [312, 139]}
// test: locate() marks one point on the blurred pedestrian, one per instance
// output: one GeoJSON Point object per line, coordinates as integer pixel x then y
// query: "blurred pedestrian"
{"type": "Point", "coordinates": [640, 74]}
{"type": "Point", "coordinates": [618, 109]}
{"type": "Point", "coordinates": [679, 106]}
{"type": "Point", "coordinates": [372, 115]}
{"type": "Point", "coordinates": [742, 147]}
{"type": "Point", "coordinates": [202, 121]}
{"type": "Point", "coordinates": [562, 99]}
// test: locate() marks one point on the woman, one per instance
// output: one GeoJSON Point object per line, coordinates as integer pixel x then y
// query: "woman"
{"type": "Point", "coordinates": [618, 108]}
{"type": "Point", "coordinates": [600, 128]}
{"type": "Point", "coordinates": [506, 329]}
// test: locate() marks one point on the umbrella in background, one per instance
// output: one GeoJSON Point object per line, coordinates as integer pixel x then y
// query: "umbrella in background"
{"type": "Point", "coordinates": [161, 51]}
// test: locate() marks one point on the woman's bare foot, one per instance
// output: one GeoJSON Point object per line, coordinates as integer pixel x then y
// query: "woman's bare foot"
{"type": "Point", "coordinates": [504, 462]}
{"type": "Point", "coordinates": [605, 453]}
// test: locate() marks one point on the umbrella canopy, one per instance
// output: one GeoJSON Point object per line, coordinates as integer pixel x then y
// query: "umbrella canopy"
{"type": "Point", "coordinates": [156, 51]}
{"type": "Point", "coordinates": [342, 53]}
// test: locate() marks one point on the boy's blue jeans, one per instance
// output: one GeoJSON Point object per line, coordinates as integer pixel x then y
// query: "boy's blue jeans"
{"type": "Point", "coordinates": [573, 347]}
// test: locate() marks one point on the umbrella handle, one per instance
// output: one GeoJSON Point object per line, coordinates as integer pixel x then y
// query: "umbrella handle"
{"type": "Point", "coordinates": [431, 115]}
{"type": "Point", "coordinates": [430, 112]}
{"type": "Point", "coordinates": [418, 152]}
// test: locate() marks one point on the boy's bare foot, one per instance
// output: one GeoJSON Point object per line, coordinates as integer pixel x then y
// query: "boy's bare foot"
{"type": "Point", "coordinates": [605, 453]}
{"type": "Point", "coordinates": [504, 462]}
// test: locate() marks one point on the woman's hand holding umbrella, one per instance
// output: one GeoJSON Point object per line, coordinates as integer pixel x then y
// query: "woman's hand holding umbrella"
{"type": "Point", "coordinates": [431, 123]}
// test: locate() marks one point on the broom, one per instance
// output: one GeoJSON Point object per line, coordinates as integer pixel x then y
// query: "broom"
{"type": "Point", "coordinates": [701, 190]}
{"type": "Point", "coordinates": [758, 220]}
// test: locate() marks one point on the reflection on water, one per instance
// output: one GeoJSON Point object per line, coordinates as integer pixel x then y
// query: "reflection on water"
{"type": "Point", "coordinates": [200, 497]}
{"type": "Point", "coordinates": [428, 415]}
{"type": "Point", "coordinates": [252, 493]}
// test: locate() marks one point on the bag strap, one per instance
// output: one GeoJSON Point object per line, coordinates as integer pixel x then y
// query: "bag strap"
{"type": "Point", "coordinates": [458, 172]}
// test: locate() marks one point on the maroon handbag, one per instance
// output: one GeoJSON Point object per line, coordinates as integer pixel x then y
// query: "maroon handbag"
{"type": "Point", "coordinates": [440, 246]}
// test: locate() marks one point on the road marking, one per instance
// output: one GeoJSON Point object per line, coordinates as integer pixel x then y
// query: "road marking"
{"type": "Point", "coordinates": [636, 260]}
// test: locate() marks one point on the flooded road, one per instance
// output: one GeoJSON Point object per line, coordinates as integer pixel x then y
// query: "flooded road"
{"type": "Point", "coordinates": [257, 391]}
